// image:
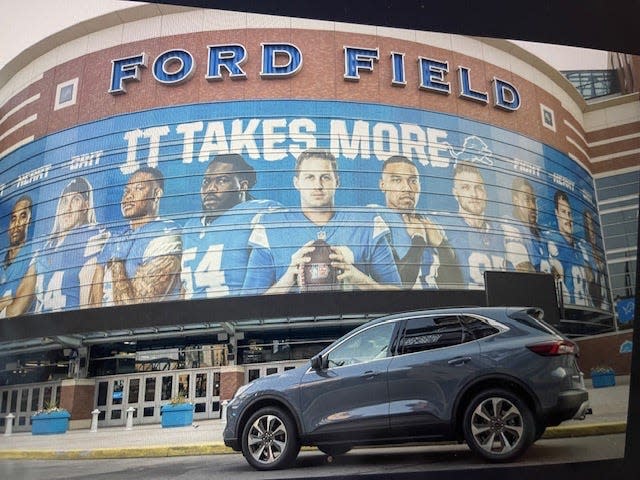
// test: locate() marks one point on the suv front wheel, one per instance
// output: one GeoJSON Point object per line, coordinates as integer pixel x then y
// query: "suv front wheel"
{"type": "Point", "coordinates": [498, 425]}
{"type": "Point", "coordinates": [269, 439]}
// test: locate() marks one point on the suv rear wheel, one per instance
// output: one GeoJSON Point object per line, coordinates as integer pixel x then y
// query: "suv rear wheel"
{"type": "Point", "coordinates": [498, 425]}
{"type": "Point", "coordinates": [270, 440]}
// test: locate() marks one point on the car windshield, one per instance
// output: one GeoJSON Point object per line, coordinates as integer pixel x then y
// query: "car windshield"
{"type": "Point", "coordinates": [365, 345]}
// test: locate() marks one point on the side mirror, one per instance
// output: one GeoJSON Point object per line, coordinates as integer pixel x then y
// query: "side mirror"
{"type": "Point", "coordinates": [317, 362]}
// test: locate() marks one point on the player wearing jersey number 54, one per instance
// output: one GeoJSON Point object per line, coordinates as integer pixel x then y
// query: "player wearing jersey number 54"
{"type": "Point", "coordinates": [359, 255]}
{"type": "Point", "coordinates": [215, 250]}
{"type": "Point", "coordinates": [66, 263]}
{"type": "Point", "coordinates": [141, 263]}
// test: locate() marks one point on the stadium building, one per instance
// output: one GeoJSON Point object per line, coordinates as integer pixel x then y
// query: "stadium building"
{"type": "Point", "coordinates": [192, 198]}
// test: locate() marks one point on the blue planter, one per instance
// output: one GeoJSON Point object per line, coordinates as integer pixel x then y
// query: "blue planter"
{"type": "Point", "coordinates": [600, 380]}
{"type": "Point", "coordinates": [179, 415]}
{"type": "Point", "coordinates": [50, 423]}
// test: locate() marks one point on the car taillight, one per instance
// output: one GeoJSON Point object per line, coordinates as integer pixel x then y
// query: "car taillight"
{"type": "Point", "coordinates": [556, 347]}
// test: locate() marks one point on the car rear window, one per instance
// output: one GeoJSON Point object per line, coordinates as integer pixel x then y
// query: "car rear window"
{"type": "Point", "coordinates": [477, 328]}
{"type": "Point", "coordinates": [528, 318]}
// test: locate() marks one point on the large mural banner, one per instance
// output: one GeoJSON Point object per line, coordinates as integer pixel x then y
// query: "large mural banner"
{"type": "Point", "coordinates": [266, 197]}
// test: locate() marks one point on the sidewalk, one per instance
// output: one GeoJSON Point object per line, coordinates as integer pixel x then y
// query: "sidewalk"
{"type": "Point", "coordinates": [205, 437]}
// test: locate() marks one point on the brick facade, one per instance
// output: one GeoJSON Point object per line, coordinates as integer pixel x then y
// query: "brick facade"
{"type": "Point", "coordinates": [77, 397]}
{"type": "Point", "coordinates": [231, 378]}
{"type": "Point", "coordinates": [604, 350]}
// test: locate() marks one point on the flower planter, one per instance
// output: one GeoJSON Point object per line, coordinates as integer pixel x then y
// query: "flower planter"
{"type": "Point", "coordinates": [600, 380]}
{"type": "Point", "coordinates": [178, 415]}
{"type": "Point", "coordinates": [50, 423]}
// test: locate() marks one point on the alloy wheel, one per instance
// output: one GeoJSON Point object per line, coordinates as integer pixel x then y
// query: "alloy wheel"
{"type": "Point", "coordinates": [267, 439]}
{"type": "Point", "coordinates": [497, 425]}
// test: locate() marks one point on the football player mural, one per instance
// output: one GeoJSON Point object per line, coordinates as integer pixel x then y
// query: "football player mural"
{"type": "Point", "coordinates": [319, 243]}
{"type": "Point", "coordinates": [286, 196]}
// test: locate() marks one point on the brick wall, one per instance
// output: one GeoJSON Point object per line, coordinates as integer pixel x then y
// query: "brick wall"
{"type": "Point", "coordinates": [604, 350]}
{"type": "Point", "coordinates": [231, 378]}
{"type": "Point", "coordinates": [77, 397]}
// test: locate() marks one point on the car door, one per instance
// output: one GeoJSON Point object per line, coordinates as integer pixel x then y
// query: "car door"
{"type": "Point", "coordinates": [434, 358]}
{"type": "Point", "coordinates": [349, 399]}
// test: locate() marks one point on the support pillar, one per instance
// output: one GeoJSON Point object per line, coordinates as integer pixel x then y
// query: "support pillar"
{"type": "Point", "coordinates": [231, 379]}
{"type": "Point", "coordinates": [77, 396]}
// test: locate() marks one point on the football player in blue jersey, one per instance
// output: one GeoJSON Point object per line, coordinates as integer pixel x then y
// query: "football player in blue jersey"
{"type": "Point", "coordinates": [215, 249]}
{"type": "Point", "coordinates": [565, 257]}
{"type": "Point", "coordinates": [526, 249]}
{"type": "Point", "coordinates": [143, 261]}
{"type": "Point", "coordinates": [16, 287]}
{"type": "Point", "coordinates": [478, 242]}
{"type": "Point", "coordinates": [66, 263]}
{"type": "Point", "coordinates": [350, 251]}
{"type": "Point", "coordinates": [421, 250]}
{"type": "Point", "coordinates": [595, 266]}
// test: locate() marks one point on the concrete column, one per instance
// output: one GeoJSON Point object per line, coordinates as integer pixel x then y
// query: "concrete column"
{"type": "Point", "coordinates": [231, 378]}
{"type": "Point", "coordinates": [130, 411]}
{"type": "Point", "coordinates": [8, 424]}
{"type": "Point", "coordinates": [77, 396]}
{"type": "Point", "coordinates": [94, 420]}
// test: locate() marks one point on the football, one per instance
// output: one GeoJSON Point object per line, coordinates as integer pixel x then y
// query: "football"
{"type": "Point", "coordinates": [318, 273]}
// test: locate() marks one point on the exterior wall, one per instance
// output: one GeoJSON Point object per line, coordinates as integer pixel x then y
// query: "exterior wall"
{"type": "Point", "coordinates": [582, 139]}
{"type": "Point", "coordinates": [607, 350]}
{"type": "Point", "coordinates": [105, 137]}
{"type": "Point", "coordinates": [77, 396]}
{"type": "Point", "coordinates": [231, 379]}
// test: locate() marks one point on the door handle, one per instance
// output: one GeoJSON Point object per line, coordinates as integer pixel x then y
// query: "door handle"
{"type": "Point", "coordinates": [459, 360]}
{"type": "Point", "coordinates": [370, 374]}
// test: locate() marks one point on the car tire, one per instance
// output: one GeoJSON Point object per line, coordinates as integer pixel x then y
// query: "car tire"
{"type": "Point", "coordinates": [334, 450]}
{"type": "Point", "coordinates": [270, 439]}
{"type": "Point", "coordinates": [498, 425]}
{"type": "Point", "coordinates": [540, 429]}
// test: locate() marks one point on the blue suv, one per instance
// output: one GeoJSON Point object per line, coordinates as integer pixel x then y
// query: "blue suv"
{"type": "Point", "coordinates": [493, 377]}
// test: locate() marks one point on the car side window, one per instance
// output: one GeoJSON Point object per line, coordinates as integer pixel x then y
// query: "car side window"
{"type": "Point", "coordinates": [477, 328]}
{"type": "Point", "coordinates": [428, 333]}
{"type": "Point", "coordinates": [366, 345]}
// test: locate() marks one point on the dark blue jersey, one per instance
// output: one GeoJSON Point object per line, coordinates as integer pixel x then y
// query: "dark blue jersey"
{"type": "Point", "coordinates": [400, 242]}
{"type": "Point", "coordinates": [215, 255]}
{"type": "Point", "coordinates": [278, 235]}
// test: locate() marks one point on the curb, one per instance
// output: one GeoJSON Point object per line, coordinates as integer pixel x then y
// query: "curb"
{"type": "Point", "coordinates": [567, 431]}
{"type": "Point", "coordinates": [218, 448]}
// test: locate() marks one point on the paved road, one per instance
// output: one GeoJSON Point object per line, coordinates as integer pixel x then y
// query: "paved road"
{"type": "Point", "coordinates": [388, 462]}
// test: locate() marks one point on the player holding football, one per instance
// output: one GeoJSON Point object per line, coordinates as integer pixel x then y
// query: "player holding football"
{"type": "Point", "coordinates": [283, 241]}
{"type": "Point", "coordinates": [420, 248]}
{"type": "Point", "coordinates": [478, 243]}
{"type": "Point", "coordinates": [16, 287]}
{"type": "Point", "coordinates": [66, 263]}
{"type": "Point", "coordinates": [525, 248]}
{"type": "Point", "coordinates": [565, 258]}
{"type": "Point", "coordinates": [143, 261]}
{"type": "Point", "coordinates": [215, 250]}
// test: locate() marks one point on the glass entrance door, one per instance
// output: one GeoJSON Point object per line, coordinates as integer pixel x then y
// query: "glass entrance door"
{"type": "Point", "coordinates": [148, 392]}
{"type": "Point", "coordinates": [25, 400]}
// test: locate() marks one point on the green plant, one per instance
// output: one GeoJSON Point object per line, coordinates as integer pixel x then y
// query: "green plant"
{"type": "Point", "coordinates": [601, 370]}
{"type": "Point", "coordinates": [49, 407]}
{"type": "Point", "coordinates": [179, 399]}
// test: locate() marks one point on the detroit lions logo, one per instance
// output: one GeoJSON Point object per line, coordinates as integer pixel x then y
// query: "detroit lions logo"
{"type": "Point", "coordinates": [474, 150]}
